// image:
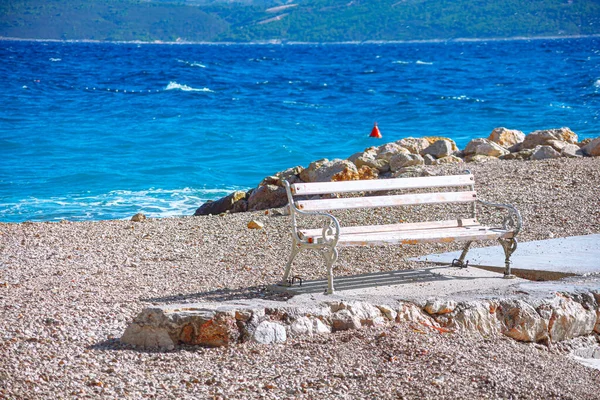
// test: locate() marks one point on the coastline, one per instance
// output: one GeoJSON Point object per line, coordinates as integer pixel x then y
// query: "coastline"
{"type": "Point", "coordinates": [293, 43]}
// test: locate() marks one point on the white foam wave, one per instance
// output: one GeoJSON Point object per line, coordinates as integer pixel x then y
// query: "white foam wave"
{"type": "Point", "coordinates": [176, 86]}
{"type": "Point", "coordinates": [192, 63]}
{"type": "Point", "coordinates": [462, 98]}
{"type": "Point", "coordinates": [56, 59]}
{"type": "Point", "coordinates": [419, 62]}
{"type": "Point", "coordinates": [597, 83]}
{"type": "Point", "coordinates": [400, 62]}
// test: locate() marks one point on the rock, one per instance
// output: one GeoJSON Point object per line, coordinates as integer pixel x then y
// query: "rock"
{"type": "Point", "coordinates": [410, 172]}
{"type": "Point", "coordinates": [544, 152]}
{"type": "Point", "coordinates": [438, 306]}
{"type": "Point", "coordinates": [569, 319]}
{"type": "Point", "coordinates": [414, 145]}
{"type": "Point", "coordinates": [506, 137]}
{"type": "Point", "coordinates": [477, 316]}
{"type": "Point", "coordinates": [448, 160]}
{"type": "Point", "coordinates": [411, 312]}
{"type": "Point", "coordinates": [268, 196]}
{"type": "Point", "coordinates": [139, 217]}
{"type": "Point", "coordinates": [439, 149]}
{"type": "Point", "coordinates": [365, 312]}
{"type": "Point", "coordinates": [370, 152]}
{"type": "Point", "coordinates": [147, 337]}
{"type": "Point", "coordinates": [365, 172]}
{"type": "Point", "coordinates": [388, 312]}
{"type": "Point", "coordinates": [344, 320]}
{"type": "Point", "coordinates": [346, 175]}
{"type": "Point", "coordinates": [388, 150]}
{"type": "Point", "coordinates": [522, 322]}
{"type": "Point", "coordinates": [269, 332]}
{"type": "Point", "coordinates": [519, 155]}
{"type": "Point", "coordinates": [592, 149]}
{"type": "Point", "coordinates": [220, 206]}
{"type": "Point", "coordinates": [542, 137]}
{"type": "Point", "coordinates": [433, 139]}
{"type": "Point", "coordinates": [405, 160]}
{"type": "Point", "coordinates": [323, 170]}
{"type": "Point", "coordinates": [597, 326]}
{"type": "Point", "coordinates": [558, 145]}
{"type": "Point", "coordinates": [479, 158]}
{"type": "Point", "coordinates": [309, 326]}
{"type": "Point", "coordinates": [291, 175]}
{"type": "Point", "coordinates": [254, 224]}
{"type": "Point", "coordinates": [428, 159]}
{"type": "Point", "coordinates": [571, 151]}
{"type": "Point", "coordinates": [368, 158]}
{"type": "Point", "coordinates": [485, 147]}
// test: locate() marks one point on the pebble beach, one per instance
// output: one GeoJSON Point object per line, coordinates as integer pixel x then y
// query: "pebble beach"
{"type": "Point", "coordinates": [69, 289]}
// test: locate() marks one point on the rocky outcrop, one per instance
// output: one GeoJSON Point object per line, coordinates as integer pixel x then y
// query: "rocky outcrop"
{"type": "Point", "coordinates": [549, 137]}
{"type": "Point", "coordinates": [406, 158]}
{"type": "Point", "coordinates": [561, 317]}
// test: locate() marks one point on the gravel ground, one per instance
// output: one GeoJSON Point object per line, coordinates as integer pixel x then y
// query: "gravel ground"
{"type": "Point", "coordinates": [68, 290]}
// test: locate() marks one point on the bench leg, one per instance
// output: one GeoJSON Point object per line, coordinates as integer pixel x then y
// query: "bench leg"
{"type": "Point", "coordinates": [461, 259]}
{"type": "Point", "coordinates": [509, 246]}
{"type": "Point", "coordinates": [330, 256]}
{"type": "Point", "coordinates": [288, 267]}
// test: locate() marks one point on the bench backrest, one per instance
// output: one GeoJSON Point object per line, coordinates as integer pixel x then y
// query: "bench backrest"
{"type": "Point", "coordinates": [317, 188]}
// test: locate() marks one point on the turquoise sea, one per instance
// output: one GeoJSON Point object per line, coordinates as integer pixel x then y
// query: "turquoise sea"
{"type": "Point", "coordinates": [92, 131]}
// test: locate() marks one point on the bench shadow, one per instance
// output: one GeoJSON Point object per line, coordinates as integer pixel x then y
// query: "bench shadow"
{"type": "Point", "coordinates": [367, 281]}
{"type": "Point", "coordinates": [251, 292]}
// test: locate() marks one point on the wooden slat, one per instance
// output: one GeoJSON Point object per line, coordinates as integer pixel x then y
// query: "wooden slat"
{"type": "Point", "coordinates": [424, 236]}
{"type": "Point", "coordinates": [349, 230]}
{"type": "Point", "coordinates": [386, 201]}
{"type": "Point", "coordinates": [301, 189]}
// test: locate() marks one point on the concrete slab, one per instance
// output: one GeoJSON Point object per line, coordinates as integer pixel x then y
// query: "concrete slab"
{"type": "Point", "coordinates": [576, 255]}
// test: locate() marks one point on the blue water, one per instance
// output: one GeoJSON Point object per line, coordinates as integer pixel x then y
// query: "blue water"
{"type": "Point", "coordinates": [92, 131]}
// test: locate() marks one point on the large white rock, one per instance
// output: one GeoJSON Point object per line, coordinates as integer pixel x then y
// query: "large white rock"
{"type": "Point", "coordinates": [400, 161]}
{"type": "Point", "coordinates": [388, 150]}
{"type": "Point", "coordinates": [485, 147]}
{"type": "Point", "coordinates": [269, 332]}
{"type": "Point", "coordinates": [440, 306]}
{"type": "Point", "coordinates": [544, 153]}
{"type": "Point", "coordinates": [309, 326]}
{"type": "Point", "coordinates": [506, 137]}
{"type": "Point", "coordinates": [344, 320]}
{"type": "Point", "coordinates": [570, 319]}
{"type": "Point", "coordinates": [438, 149]}
{"type": "Point", "coordinates": [592, 149]}
{"type": "Point", "coordinates": [476, 316]}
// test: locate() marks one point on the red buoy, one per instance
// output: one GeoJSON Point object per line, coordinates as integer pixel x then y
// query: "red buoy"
{"type": "Point", "coordinates": [375, 132]}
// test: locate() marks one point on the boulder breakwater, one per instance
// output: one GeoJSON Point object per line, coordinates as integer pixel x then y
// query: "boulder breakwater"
{"type": "Point", "coordinates": [408, 157]}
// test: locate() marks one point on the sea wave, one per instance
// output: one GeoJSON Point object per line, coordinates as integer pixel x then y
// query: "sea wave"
{"type": "Point", "coordinates": [597, 83]}
{"type": "Point", "coordinates": [176, 86]}
{"type": "Point", "coordinates": [192, 63]}
{"type": "Point", "coordinates": [463, 98]}
{"type": "Point", "coordinates": [400, 62]}
{"type": "Point", "coordinates": [419, 62]}
{"type": "Point", "coordinates": [56, 59]}
{"type": "Point", "coordinates": [116, 204]}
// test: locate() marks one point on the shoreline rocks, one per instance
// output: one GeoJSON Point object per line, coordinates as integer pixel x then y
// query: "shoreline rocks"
{"type": "Point", "coordinates": [408, 157]}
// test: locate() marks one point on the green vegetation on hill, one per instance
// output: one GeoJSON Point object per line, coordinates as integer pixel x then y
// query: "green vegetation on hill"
{"type": "Point", "coordinates": [308, 20]}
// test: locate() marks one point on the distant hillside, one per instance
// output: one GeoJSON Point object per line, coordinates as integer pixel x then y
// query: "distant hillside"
{"type": "Point", "coordinates": [300, 20]}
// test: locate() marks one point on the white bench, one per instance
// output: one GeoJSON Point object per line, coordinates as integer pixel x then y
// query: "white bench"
{"type": "Point", "coordinates": [304, 200]}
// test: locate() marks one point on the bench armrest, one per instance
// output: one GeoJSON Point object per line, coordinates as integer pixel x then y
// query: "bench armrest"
{"type": "Point", "coordinates": [513, 221]}
{"type": "Point", "coordinates": [331, 226]}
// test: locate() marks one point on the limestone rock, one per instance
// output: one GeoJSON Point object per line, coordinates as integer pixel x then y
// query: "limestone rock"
{"type": "Point", "coordinates": [291, 175]}
{"type": "Point", "coordinates": [346, 175]}
{"type": "Point", "coordinates": [433, 139]}
{"type": "Point", "coordinates": [411, 312]}
{"type": "Point", "coordinates": [222, 205]}
{"type": "Point", "coordinates": [308, 326]}
{"type": "Point", "coordinates": [365, 312]}
{"type": "Point", "coordinates": [368, 158]}
{"type": "Point", "coordinates": [428, 159]}
{"type": "Point", "coordinates": [344, 320]}
{"type": "Point", "coordinates": [269, 332]}
{"type": "Point", "coordinates": [147, 337]}
{"type": "Point", "coordinates": [254, 224]}
{"type": "Point", "coordinates": [267, 196]}
{"type": "Point", "coordinates": [544, 152]}
{"type": "Point", "coordinates": [365, 172]}
{"type": "Point", "coordinates": [139, 217]}
{"type": "Point", "coordinates": [542, 137]}
{"type": "Point", "coordinates": [448, 160]}
{"type": "Point", "coordinates": [477, 316]}
{"type": "Point", "coordinates": [388, 150]}
{"type": "Point", "coordinates": [388, 311]}
{"type": "Point", "coordinates": [439, 306]}
{"type": "Point", "coordinates": [439, 149]}
{"type": "Point", "coordinates": [571, 151]}
{"type": "Point", "coordinates": [370, 152]}
{"type": "Point", "coordinates": [485, 147]}
{"type": "Point", "coordinates": [570, 319]}
{"type": "Point", "coordinates": [522, 322]}
{"type": "Point", "coordinates": [405, 160]}
{"type": "Point", "coordinates": [592, 149]}
{"type": "Point", "coordinates": [597, 326]}
{"type": "Point", "coordinates": [506, 137]}
{"type": "Point", "coordinates": [414, 145]}
{"type": "Point", "coordinates": [323, 170]}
